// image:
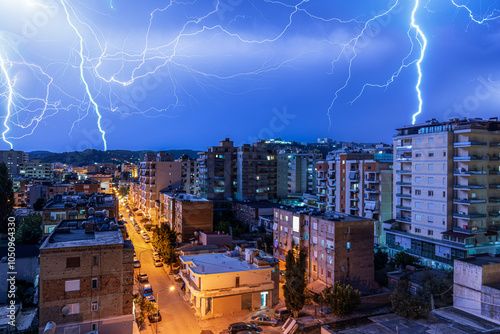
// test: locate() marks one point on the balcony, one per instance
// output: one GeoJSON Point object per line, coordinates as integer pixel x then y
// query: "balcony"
{"type": "Point", "coordinates": [494, 172]}
{"type": "Point", "coordinates": [468, 216]}
{"type": "Point", "coordinates": [404, 158]}
{"type": "Point", "coordinates": [372, 191]}
{"type": "Point", "coordinates": [403, 207]}
{"type": "Point", "coordinates": [493, 214]}
{"type": "Point", "coordinates": [494, 199]}
{"type": "Point", "coordinates": [404, 147]}
{"type": "Point", "coordinates": [469, 158]}
{"type": "Point", "coordinates": [468, 187]}
{"type": "Point", "coordinates": [494, 186]}
{"type": "Point", "coordinates": [469, 172]}
{"type": "Point", "coordinates": [467, 201]}
{"type": "Point", "coordinates": [405, 219]}
{"type": "Point", "coordinates": [403, 171]}
{"type": "Point", "coordinates": [403, 195]}
{"type": "Point", "coordinates": [401, 183]}
{"type": "Point", "coordinates": [354, 190]}
{"type": "Point", "coordinates": [354, 199]}
{"type": "Point", "coordinates": [469, 143]}
{"type": "Point", "coordinates": [371, 180]}
{"type": "Point", "coordinates": [354, 208]}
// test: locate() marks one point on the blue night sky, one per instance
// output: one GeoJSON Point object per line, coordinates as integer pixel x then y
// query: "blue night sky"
{"type": "Point", "coordinates": [157, 75]}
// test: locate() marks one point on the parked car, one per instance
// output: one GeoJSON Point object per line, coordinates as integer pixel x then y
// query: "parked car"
{"type": "Point", "coordinates": [151, 298]}
{"type": "Point", "coordinates": [158, 263]}
{"type": "Point", "coordinates": [146, 238]}
{"type": "Point", "coordinates": [142, 278]}
{"type": "Point", "coordinates": [156, 255]}
{"type": "Point", "coordinates": [147, 290]}
{"type": "Point", "coordinates": [137, 264]}
{"type": "Point", "coordinates": [282, 313]}
{"type": "Point", "coordinates": [156, 317]}
{"type": "Point", "coordinates": [178, 278]}
{"type": "Point", "coordinates": [263, 319]}
{"type": "Point", "coordinates": [241, 326]}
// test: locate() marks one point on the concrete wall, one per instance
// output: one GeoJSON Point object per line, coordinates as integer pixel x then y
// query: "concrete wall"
{"type": "Point", "coordinates": [221, 281]}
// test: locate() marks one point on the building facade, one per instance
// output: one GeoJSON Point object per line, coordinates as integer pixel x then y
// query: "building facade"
{"type": "Point", "coordinates": [86, 279]}
{"type": "Point", "coordinates": [13, 160]}
{"type": "Point", "coordinates": [357, 183]}
{"type": "Point", "coordinates": [447, 190]}
{"type": "Point", "coordinates": [36, 169]}
{"type": "Point", "coordinates": [337, 244]}
{"type": "Point", "coordinates": [302, 173]}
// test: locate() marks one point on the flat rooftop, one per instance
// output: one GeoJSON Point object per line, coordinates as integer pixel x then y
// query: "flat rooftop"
{"type": "Point", "coordinates": [259, 204]}
{"type": "Point", "coordinates": [69, 233]}
{"type": "Point", "coordinates": [333, 216]}
{"type": "Point", "coordinates": [184, 197]}
{"type": "Point", "coordinates": [481, 260]}
{"type": "Point", "coordinates": [208, 264]}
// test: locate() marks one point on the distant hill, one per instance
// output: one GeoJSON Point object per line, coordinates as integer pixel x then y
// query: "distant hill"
{"type": "Point", "coordinates": [92, 156]}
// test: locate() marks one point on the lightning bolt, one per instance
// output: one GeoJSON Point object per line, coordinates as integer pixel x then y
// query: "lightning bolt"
{"type": "Point", "coordinates": [82, 76]}
{"type": "Point", "coordinates": [423, 44]}
{"type": "Point", "coordinates": [495, 14]}
{"type": "Point", "coordinates": [10, 93]}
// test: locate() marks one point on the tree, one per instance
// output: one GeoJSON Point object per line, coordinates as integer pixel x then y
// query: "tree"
{"type": "Point", "coordinates": [408, 305]}
{"type": "Point", "coordinates": [123, 191]}
{"type": "Point", "coordinates": [381, 259]}
{"type": "Point", "coordinates": [341, 298]}
{"type": "Point", "coordinates": [403, 259]}
{"type": "Point", "coordinates": [295, 281]}
{"type": "Point", "coordinates": [164, 239]}
{"type": "Point", "coordinates": [29, 231]}
{"type": "Point", "coordinates": [148, 307]}
{"type": "Point", "coordinates": [6, 197]}
{"type": "Point", "coordinates": [39, 204]}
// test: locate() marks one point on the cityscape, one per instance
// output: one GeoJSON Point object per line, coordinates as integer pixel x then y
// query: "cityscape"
{"type": "Point", "coordinates": [240, 166]}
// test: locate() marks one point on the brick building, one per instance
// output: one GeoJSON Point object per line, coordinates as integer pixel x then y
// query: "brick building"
{"type": "Point", "coordinates": [86, 278]}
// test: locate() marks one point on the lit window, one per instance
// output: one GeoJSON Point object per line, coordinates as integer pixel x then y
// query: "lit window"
{"type": "Point", "coordinates": [94, 307]}
{"type": "Point", "coordinates": [72, 285]}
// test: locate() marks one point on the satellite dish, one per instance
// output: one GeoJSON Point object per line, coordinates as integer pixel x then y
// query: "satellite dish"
{"type": "Point", "coordinates": [91, 211]}
{"type": "Point", "coordinates": [65, 310]}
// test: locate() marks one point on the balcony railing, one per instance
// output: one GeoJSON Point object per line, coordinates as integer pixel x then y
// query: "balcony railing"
{"type": "Point", "coordinates": [469, 201]}
{"type": "Point", "coordinates": [372, 191]}
{"type": "Point", "coordinates": [469, 158]}
{"type": "Point", "coordinates": [404, 219]}
{"type": "Point", "coordinates": [470, 186]}
{"type": "Point", "coordinates": [494, 199]}
{"type": "Point", "coordinates": [371, 180]}
{"type": "Point", "coordinates": [401, 183]}
{"type": "Point", "coordinates": [354, 190]}
{"type": "Point", "coordinates": [468, 216]}
{"type": "Point", "coordinates": [494, 214]}
{"type": "Point", "coordinates": [494, 186]}
{"type": "Point", "coordinates": [403, 195]}
{"type": "Point", "coordinates": [469, 172]}
{"type": "Point", "coordinates": [403, 207]}
{"type": "Point", "coordinates": [469, 143]}
{"type": "Point", "coordinates": [403, 171]}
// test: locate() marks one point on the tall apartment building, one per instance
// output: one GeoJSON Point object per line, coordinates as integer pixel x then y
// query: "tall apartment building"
{"type": "Point", "coordinates": [190, 175]}
{"type": "Point", "coordinates": [13, 160]}
{"type": "Point", "coordinates": [302, 173]}
{"type": "Point", "coordinates": [256, 168]}
{"type": "Point", "coordinates": [185, 213]}
{"type": "Point", "coordinates": [248, 172]}
{"type": "Point", "coordinates": [447, 198]}
{"type": "Point", "coordinates": [156, 175]}
{"type": "Point", "coordinates": [129, 168]}
{"type": "Point", "coordinates": [87, 278]}
{"type": "Point", "coordinates": [336, 244]}
{"type": "Point", "coordinates": [36, 169]}
{"type": "Point", "coordinates": [357, 183]}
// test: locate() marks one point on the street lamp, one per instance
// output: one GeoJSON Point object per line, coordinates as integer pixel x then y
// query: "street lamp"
{"type": "Point", "coordinates": [171, 288]}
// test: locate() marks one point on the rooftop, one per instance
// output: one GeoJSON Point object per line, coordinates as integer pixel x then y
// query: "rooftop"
{"type": "Point", "coordinates": [182, 196]}
{"type": "Point", "coordinates": [72, 233]}
{"type": "Point", "coordinates": [327, 215]}
{"type": "Point", "coordinates": [481, 259]}
{"type": "Point", "coordinates": [69, 201]}
{"type": "Point", "coordinates": [209, 264]}
{"type": "Point", "coordinates": [259, 204]}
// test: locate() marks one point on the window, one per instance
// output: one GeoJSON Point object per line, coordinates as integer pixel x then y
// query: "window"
{"type": "Point", "coordinates": [444, 194]}
{"type": "Point", "coordinates": [431, 154]}
{"type": "Point", "coordinates": [94, 327]}
{"type": "Point", "coordinates": [430, 232]}
{"type": "Point", "coordinates": [315, 226]}
{"type": "Point", "coordinates": [418, 192]}
{"type": "Point", "coordinates": [444, 153]}
{"type": "Point", "coordinates": [431, 180]}
{"type": "Point", "coordinates": [74, 308]}
{"type": "Point", "coordinates": [94, 307]}
{"type": "Point", "coordinates": [314, 268]}
{"type": "Point", "coordinates": [418, 155]}
{"type": "Point", "coordinates": [72, 330]}
{"type": "Point", "coordinates": [94, 283]}
{"type": "Point", "coordinates": [418, 166]}
{"type": "Point", "coordinates": [430, 193]}
{"type": "Point", "coordinates": [430, 219]}
{"type": "Point", "coordinates": [430, 167]}
{"type": "Point", "coordinates": [418, 141]}
{"type": "Point", "coordinates": [418, 205]}
{"type": "Point", "coordinates": [348, 230]}
{"type": "Point", "coordinates": [237, 281]}
{"type": "Point", "coordinates": [72, 285]}
{"type": "Point", "coordinates": [95, 260]}
{"type": "Point", "coordinates": [348, 246]}
{"type": "Point", "coordinates": [72, 262]}
{"type": "Point", "coordinates": [322, 243]}
{"type": "Point", "coordinates": [315, 254]}
{"type": "Point", "coordinates": [418, 217]}
{"type": "Point", "coordinates": [418, 179]}
{"type": "Point", "coordinates": [431, 140]}
{"type": "Point", "coordinates": [328, 274]}
{"type": "Point", "coordinates": [417, 230]}
{"type": "Point", "coordinates": [430, 206]}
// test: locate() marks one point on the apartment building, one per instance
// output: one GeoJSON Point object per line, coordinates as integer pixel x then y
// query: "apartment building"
{"type": "Point", "coordinates": [77, 207]}
{"type": "Point", "coordinates": [221, 284]}
{"type": "Point", "coordinates": [339, 245]}
{"type": "Point", "coordinates": [248, 172]}
{"type": "Point", "coordinates": [185, 213]}
{"type": "Point", "coordinates": [358, 183]}
{"type": "Point", "coordinates": [190, 175]}
{"type": "Point", "coordinates": [13, 160]}
{"type": "Point", "coordinates": [86, 278]}
{"type": "Point", "coordinates": [36, 169]}
{"type": "Point", "coordinates": [447, 197]}
{"type": "Point", "coordinates": [302, 173]}
{"type": "Point", "coordinates": [87, 187]}
{"type": "Point", "coordinates": [59, 188]}
{"type": "Point", "coordinates": [156, 175]}
{"type": "Point", "coordinates": [249, 212]}
{"type": "Point", "coordinates": [105, 181]}
{"type": "Point", "coordinates": [129, 168]}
